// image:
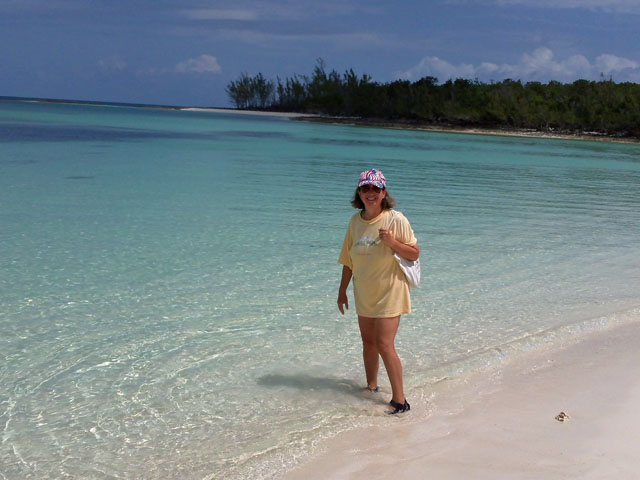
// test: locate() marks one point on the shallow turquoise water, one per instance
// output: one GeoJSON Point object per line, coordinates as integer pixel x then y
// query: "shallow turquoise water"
{"type": "Point", "coordinates": [167, 297]}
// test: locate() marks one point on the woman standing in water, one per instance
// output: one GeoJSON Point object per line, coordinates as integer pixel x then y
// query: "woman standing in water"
{"type": "Point", "coordinates": [380, 288]}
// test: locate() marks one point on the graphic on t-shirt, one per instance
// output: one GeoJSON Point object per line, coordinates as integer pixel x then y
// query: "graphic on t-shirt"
{"type": "Point", "coordinates": [366, 242]}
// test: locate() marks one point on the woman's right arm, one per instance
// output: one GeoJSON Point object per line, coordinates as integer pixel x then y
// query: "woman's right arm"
{"type": "Point", "coordinates": [343, 301]}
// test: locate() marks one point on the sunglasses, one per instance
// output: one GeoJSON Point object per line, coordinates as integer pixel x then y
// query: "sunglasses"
{"type": "Point", "coordinates": [366, 188]}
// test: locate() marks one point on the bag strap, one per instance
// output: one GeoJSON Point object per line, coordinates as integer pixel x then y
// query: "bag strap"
{"type": "Point", "coordinates": [393, 217]}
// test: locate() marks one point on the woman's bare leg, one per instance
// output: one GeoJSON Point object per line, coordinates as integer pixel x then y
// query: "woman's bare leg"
{"type": "Point", "coordinates": [386, 329]}
{"type": "Point", "coordinates": [369, 349]}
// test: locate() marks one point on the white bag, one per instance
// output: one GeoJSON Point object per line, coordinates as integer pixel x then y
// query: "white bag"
{"type": "Point", "coordinates": [411, 268]}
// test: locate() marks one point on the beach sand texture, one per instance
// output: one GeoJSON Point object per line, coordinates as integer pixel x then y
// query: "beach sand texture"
{"type": "Point", "coordinates": [510, 431]}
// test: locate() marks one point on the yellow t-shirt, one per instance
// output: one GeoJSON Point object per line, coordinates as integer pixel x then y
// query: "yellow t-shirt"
{"type": "Point", "coordinates": [379, 286]}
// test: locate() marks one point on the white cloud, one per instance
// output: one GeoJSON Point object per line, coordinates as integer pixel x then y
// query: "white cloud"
{"type": "Point", "coordinates": [202, 64]}
{"type": "Point", "coordinates": [343, 40]}
{"type": "Point", "coordinates": [221, 14]}
{"type": "Point", "coordinates": [615, 6]}
{"type": "Point", "coordinates": [112, 64]}
{"type": "Point", "coordinates": [436, 67]}
{"type": "Point", "coordinates": [539, 65]}
{"type": "Point", "coordinates": [610, 63]}
{"type": "Point", "coordinates": [293, 10]}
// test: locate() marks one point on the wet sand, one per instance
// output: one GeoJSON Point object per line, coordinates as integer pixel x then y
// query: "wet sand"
{"type": "Point", "coordinates": [502, 424]}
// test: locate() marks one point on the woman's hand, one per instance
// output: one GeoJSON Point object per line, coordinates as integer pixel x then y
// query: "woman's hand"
{"type": "Point", "coordinates": [386, 237]}
{"type": "Point", "coordinates": [343, 301]}
{"type": "Point", "coordinates": [410, 252]}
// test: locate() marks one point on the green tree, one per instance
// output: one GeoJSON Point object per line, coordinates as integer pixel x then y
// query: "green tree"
{"type": "Point", "coordinates": [251, 92]}
{"type": "Point", "coordinates": [603, 106]}
{"type": "Point", "coordinates": [239, 91]}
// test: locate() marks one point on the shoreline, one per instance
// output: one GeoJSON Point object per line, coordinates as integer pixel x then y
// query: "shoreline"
{"type": "Point", "coordinates": [356, 121]}
{"type": "Point", "coordinates": [505, 132]}
{"type": "Point", "coordinates": [259, 113]}
{"type": "Point", "coordinates": [501, 422]}
{"type": "Point", "coordinates": [399, 125]}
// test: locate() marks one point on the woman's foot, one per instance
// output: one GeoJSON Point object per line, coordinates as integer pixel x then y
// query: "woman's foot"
{"type": "Point", "coordinates": [372, 390]}
{"type": "Point", "coordinates": [398, 407]}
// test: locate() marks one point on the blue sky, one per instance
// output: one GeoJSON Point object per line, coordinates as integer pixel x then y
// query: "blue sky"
{"type": "Point", "coordinates": [186, 52]}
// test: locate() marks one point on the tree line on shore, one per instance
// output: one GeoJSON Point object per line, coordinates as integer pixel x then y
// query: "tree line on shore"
{"type": "Point", "coordinates": [597, 107]}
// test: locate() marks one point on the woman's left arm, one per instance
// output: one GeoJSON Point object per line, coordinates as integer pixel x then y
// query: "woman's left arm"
{"type": "Point", "coordinates": [408, 252]}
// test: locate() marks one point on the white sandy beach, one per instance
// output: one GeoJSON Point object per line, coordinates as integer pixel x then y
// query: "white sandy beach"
{"type": "Point", "coordinates": [506, 428]}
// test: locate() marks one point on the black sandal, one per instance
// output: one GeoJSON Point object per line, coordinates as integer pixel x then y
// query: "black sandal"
{"type": "Point", "coordinates": [398, 407]}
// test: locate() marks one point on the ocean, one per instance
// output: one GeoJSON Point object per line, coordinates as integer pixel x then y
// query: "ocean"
{"type": "Point", "coordinates": [169, 279]}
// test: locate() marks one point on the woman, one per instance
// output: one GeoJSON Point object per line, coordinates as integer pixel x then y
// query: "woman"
{"type": "Point", "coordinates": [380, 288]}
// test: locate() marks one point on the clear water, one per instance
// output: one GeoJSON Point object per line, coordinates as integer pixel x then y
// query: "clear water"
{"type": "Point", "coordinates": [168, 279]}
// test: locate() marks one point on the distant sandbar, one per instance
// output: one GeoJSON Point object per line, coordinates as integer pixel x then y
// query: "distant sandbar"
{"type": "Point", "coordinates": [248, 112]}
